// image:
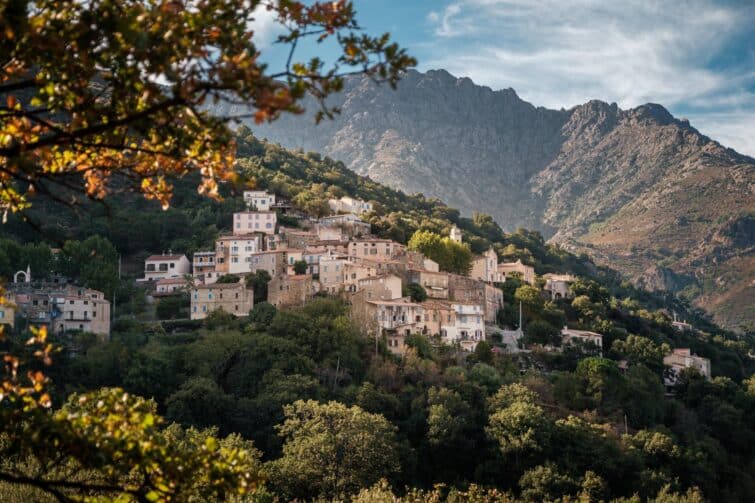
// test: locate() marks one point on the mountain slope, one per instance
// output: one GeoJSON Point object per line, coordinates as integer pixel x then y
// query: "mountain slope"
{"type": "Point", "coordinates": [637, 189]}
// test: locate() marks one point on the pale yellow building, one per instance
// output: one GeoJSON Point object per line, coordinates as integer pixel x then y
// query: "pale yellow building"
{"type": "Point", "coordinates": [248, 222]}
{"type": "Point", "coordinates": [7, 311]}
{"type": "Point", "coordinates": [485, 267]}
{"type": "Point", "coordinates": [434, 283]}
{"type": "Point", "coordinates": [527, 272]}
{"type": "Point", "coordinates": [375, 248]}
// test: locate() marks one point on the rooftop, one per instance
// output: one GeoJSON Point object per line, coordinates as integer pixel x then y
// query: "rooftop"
{"type": "Point", "coordinates": [153, 258]}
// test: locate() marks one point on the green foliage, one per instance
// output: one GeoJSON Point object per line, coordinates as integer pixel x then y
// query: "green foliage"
{"type": "Point", "coordinates": [258, 281]}
{"type": "Point", "coordinates": [331, 450]}
{"type": "Point", "coordinates": [415, 291]}
{"type": "Point", "coordinates": [262, 313]}
{"type": "Point", "coordinates": [227, 279]}
{"type": "Point", "coordinates": [172, 307]}
{"type": "Point", "coordinates": [451, 256]}
{"type": "Point", "coordinates": [300, 267]}
{"type": "Point", "coordinates": [109, 444]}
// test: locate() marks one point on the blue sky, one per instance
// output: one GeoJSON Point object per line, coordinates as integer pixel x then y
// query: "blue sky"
{"type": "Point", "coordinates": [695, 57]}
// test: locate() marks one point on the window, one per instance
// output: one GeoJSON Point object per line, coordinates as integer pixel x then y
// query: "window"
{"type": "Point", "coordinates": [70, 302]}
{"type": "Point", "coordinates": [36, 302]}
{"type": "Point", "coordinates": [150, 267]}
{"type": "Point", "coordinates": [236, 307]}
{"type": "Point", "coordinates": [94, 314]}
{"type": "Point", "coordinates": [204, 308]}
{"type": "Point", "coordinates": [194, 309]}
{"type": "Point", "coordinates": [172, 265]}
{"type": "Point", "coordinates": [86, 302]}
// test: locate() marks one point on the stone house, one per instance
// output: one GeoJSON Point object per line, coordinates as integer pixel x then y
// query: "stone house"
{"type": "Point", "coordinates": [466, 289]}
{"type": "Point", "coordinates": [434, 283]}
{"type": "Point", "coordinates": [558, 286]}
{"type": "Point", "coordinates": [527, 272]}
{"type": "Point", "coordinates": [290, 291]}
{"type": "Point", "coordinates": [485, 267]}
{"type": "Point", "coordinates": [391, 319]}
{"type": "Point", "coordinates": [62, 307]}
{"type": "Point", "coordinates": [233, 298]}
{"type": "Point", "coordinates": [372, 248]}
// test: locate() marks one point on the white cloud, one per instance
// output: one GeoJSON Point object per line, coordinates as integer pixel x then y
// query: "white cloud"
{"type": "Point", "coordinates": [265, 26]}
{"type": "Point", "coordinates": [560, 54]}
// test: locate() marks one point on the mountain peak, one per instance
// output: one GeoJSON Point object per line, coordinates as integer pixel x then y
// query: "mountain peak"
{"type": "Point", "coordinates": [655, 113]}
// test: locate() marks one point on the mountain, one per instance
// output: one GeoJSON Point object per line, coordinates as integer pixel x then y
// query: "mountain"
{"type": "Point", "coordinates": [639, 189]}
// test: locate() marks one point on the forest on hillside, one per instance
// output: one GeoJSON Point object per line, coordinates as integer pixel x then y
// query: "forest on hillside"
{"type": "Point", "coordinates": [293, 389]}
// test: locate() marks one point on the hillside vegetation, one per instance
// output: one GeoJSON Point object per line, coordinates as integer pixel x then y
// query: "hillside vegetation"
{"type": "Point", "coordinates": [330, 417]}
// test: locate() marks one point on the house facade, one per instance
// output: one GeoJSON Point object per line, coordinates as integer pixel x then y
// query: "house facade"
{"type": "Point", "coordinates": [467, 328]}
{"type": "Point", "coordinates": [349, 205]}
{"type": "Point", "coordinates": [166, 266]}
{"type": "Point", "coordinates": [259, 200]}
{"type": "Point", "coordinates": [375, 248]}
{"type": "Point", "coordinates": [485, 267]}
{"type": "Point", "coordinates": [233, 298]}
{"type": "Point", "coordinates": [434, 283]}
{"type": "Point", "coordinates": [680, 359]}
{"type": "Point", "coordinates": [527, 272]}
{"type": "Point", "coordinates": [569, 336]}
{"type": "Point", "coordinates": [290, 291]}
{"type": "Point", "coordinates": [248, 222]}
{"type": "Point", "coordinates": [233, 253]}
{"type": "Point", "coordinates": [63, 308]}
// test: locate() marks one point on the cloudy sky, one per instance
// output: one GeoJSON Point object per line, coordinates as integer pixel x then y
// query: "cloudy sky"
{"type": "Point", "coordinates": [695, 57]}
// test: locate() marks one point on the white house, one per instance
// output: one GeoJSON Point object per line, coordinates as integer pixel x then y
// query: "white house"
{"type": "Point", "coordinates": [467, 326]}
{"type": "Point", "coordinates": [259, 200]}
{"type": "Point", "coordinates": [166, 266]}
{"type": "Point", "coordinates": [349, 205]}
{"type": "Point", "coordinates": [569, 335]}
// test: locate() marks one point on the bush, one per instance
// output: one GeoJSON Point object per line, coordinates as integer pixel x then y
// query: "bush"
{"type": "Point", "coordinates": [262, 313]}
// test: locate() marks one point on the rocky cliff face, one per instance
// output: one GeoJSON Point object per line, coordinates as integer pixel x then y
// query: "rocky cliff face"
{"type": "Point", "coordinates": [636, 188]}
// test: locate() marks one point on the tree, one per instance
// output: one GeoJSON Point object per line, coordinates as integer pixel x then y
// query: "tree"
{"type": "Point", "coordinates": [451, 256]}
{"type": "Point", "coordinates": [90, 447]}
{"type": "Point", "coordinates": [542, 332]}
{"type": "Point", "coordinates": [416, 291]}
{"type": "Point", "coordinates": [227, 279]}
{"type": "Point", "coordinates": [171, 307]}
{"type": "Point", "coordinates": [546, 483]}
{"type": "Point", "coordinates": [128, 101]}
{"type": "Point", "coordinates": [300, 267]}
{"type": "Point", "coordinates": [521, 429]}
{"type": "Point", "coordinates": [258, 281]}
{"type": "Point", "coordinates": [262, 313]}
{"type": "Point", "coordinates": [641, 350]}
{"type": "Point", "coordinates": [331, 449]}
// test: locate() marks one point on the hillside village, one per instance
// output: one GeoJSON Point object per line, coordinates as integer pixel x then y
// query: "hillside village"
{"type": "Point", "coordinates": [393, 292]}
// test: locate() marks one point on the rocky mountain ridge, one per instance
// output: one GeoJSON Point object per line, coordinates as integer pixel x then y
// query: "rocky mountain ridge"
{"type": "Point", "coordinates": [637, 189]}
